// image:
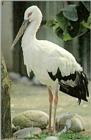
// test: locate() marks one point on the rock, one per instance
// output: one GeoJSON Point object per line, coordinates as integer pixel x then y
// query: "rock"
{"type": "Point", "coordinates": [70, 121]}
{"type": "Point", "coordinates": [14, 76]}
{"type": "Point", "coordinates": [51, 138]}
{"type": "Point", "coordinates": [31, 118]}
{"type": "Point", "coordinates": [77, 123]}
{"type": "Point", "coordinates": [27, 133]}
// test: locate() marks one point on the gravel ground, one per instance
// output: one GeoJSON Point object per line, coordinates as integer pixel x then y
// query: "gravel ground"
{"type": "Point", "coordinates": [27, 96]}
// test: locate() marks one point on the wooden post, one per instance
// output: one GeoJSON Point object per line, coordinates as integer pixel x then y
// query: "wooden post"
{"type": "Point", "coordinates": [6, 131]}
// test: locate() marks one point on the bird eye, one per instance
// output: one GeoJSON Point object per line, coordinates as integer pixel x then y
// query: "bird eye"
{"type": "Point", "coordinates": [29, 14]}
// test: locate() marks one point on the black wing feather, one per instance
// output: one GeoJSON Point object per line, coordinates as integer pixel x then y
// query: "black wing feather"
{"type": "Point", "coordinates": [80, 90]}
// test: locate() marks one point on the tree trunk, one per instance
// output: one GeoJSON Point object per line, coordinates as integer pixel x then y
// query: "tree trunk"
{"type": "Point", "coordinates": [6, 131]}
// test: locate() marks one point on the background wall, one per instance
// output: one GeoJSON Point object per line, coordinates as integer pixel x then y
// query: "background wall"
{"type": "Point", "coordinates": [7, 32]}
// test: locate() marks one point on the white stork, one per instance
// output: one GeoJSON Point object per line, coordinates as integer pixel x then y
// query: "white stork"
{"type": "Point", "coordinates": [53, 66]}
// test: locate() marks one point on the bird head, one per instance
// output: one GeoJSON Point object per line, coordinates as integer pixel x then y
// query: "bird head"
{"type": "Point", "coordinates": [31, 14]}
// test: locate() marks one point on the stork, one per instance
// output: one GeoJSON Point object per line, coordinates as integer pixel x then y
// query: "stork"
{"type": "Point", "coordinates": [54, 66]}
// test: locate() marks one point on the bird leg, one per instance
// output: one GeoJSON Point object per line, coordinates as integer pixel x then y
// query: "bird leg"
{"type": "Point", "coordinates": [50, 107]}
{"type": "Point", "coordinates": [55, 108]}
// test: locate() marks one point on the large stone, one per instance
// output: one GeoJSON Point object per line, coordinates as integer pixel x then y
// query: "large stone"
{"type": "Point", "coordinates": [51, 138]}
{"type": "Point", "coordinates": [27, 133]}
{"type": "Point", "coordinates": [70, 121]}
{"type": "Point", "coordinates": [31, 118]}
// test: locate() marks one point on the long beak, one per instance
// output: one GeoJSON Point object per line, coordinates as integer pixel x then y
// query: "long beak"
{"type": "Point", "coordinates": [20, 32]}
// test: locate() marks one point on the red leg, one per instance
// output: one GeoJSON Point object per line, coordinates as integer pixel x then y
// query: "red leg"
{"type": "Point", "coordinates": [55, 108]}
{"type": "Point", "coordinates": [50, 106]}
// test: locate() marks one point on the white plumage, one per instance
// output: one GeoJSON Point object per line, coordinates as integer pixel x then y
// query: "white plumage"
{"type": "Point", "coordinates": [52, 65]}
{"type": "Point", "coordinates": [43, 56]}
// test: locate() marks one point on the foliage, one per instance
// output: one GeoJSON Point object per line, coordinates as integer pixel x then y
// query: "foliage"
{"type": "Point", "coordinates": [5, 102]}
{"type": "Point", "coordinates": [64, 136]}
{"type": "Point", "coordinates": [4, 75]}
{"type": "Point", "coordinates": [73, 136]}
{"type": "Point", "coordinates": [74, 20]}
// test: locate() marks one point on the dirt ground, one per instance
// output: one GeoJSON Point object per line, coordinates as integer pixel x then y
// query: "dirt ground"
{"type": "Point", "coordinates": [27, 96]}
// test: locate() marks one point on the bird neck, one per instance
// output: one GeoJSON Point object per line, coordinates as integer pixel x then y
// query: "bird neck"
{"type": "Point", "coordinates": [32, 29]}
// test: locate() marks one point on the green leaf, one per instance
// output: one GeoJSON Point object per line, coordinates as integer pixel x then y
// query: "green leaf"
{"type": "Point", "coordinates": [51, 23]}
{"type": "Point", "coordinates": [66, 36]}
{"type": "Point", "coordinates": [88, 23]}
{"type": "Point", "coordinates": [63, 22]}
{"type": "Point", "coordinates": [59, 32]}
{"type": "Point", "coordinates": [89, 19]}
{"type": "Point", "coordinates": [56, 26]}
{"type": "Point", "coordinates": [70, 12]}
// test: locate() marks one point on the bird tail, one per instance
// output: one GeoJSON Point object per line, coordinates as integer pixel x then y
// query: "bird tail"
{"type": "Point", "coordinates": [80, 90]}
{"type": "Point", "coordinates": [84, 81]}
